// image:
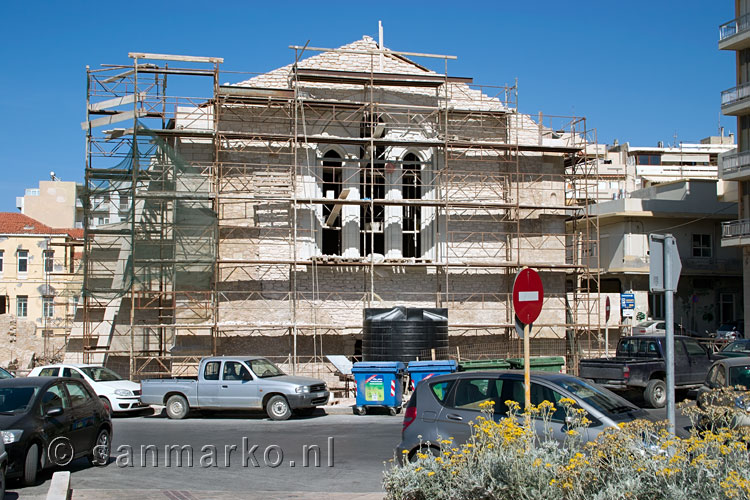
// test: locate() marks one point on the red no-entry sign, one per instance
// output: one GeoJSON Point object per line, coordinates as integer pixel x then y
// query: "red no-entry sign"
{"type": "Point", "coordinates": [528, 295]}
{"type": "Point", "coordinates": [607, 309]}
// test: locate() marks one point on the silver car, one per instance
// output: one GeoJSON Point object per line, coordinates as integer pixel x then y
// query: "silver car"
{"type": "Point", "coordinates": [443, 407]}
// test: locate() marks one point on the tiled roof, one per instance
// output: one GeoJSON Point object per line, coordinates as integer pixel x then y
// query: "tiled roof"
{"type": "Point", "coordinates": [15, 223]}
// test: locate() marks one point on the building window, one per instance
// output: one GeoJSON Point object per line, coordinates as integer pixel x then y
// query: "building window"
{"type": "Point", "coordinates": [48, 307]}
{"type": "Point", "coordinates": [1, 261]}
{"type": "Point", "coordinates": [726, 307]}
{"type": "Point", "coordinates": [22, 306]}
{"type": "Point", "coordinates": [331, 244]}
{"type": "Point", "coordinates": [701, 245]}
{"type": "Point", "coordinates": [412, 214]}
{"type": "Point", "coordinates": [648, 160]}
{"type": "Point", "coordinates": [372, 217]}
{"type": "Point", "coordinates": [23, 261]}
{"type": "Point", "coordinates": [3, 304]}
{"type": "Point", "coordinates": [49, 261]}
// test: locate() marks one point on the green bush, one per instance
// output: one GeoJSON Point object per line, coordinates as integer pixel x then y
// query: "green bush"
{"type": "Point", "coordinates": [641, 460]}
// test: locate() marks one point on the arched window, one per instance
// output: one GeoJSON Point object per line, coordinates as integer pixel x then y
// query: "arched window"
{"type": "Point", "coordinates": [331, 237]}
{"type": "Point", "coordinates": [411, 220]}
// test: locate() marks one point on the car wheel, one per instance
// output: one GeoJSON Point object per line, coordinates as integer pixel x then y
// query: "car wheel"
{"type": "Point", "coordinates": [177, 407]}
{"type": "Point", "coordinates": [102, 449]}
{"type": "Point", "coordinates": [393, 411]}
{"type": "Point", "coordinates": [277, 408]}
{"type": "Point", "coordinates": [107, 405]}
{"type": "Point", "coordinates": [655, 393]}
{"type": "Point", "coordinates": [359, 410]}
{"type": "Point", "coordinates": [304, 412]}
{"type": "Point", "coordinates": [31, 465]}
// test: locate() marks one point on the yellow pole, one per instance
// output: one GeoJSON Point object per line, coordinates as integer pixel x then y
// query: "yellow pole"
{"type": "Point", "coordinates": [526, 367]}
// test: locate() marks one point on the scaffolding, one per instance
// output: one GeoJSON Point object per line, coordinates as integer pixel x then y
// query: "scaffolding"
{"type": "Point", "coordinates": [265, 215]}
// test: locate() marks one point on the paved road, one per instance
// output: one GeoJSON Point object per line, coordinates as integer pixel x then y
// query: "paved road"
{"type": "Point", "coordinates": [352, 452]}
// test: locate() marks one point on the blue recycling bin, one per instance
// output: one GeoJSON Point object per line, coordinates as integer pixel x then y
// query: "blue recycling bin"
{"type": "Point", "coordinates": [422, 370]}
{"type": "Point", "coordinates": [379, 384]}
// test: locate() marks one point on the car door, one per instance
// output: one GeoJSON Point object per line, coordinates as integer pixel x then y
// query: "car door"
{"type": "Point", "coordinates": [83, 417]}
{"type": "Point", "coordinates": [239, 388]}
{"type": "Point", "coordinates": [698, 359]}
{"type": "Point", "coordinates": [463, 406]}
{"type": "Point", "coordinates": [209, 385]}
{"type": "Point", "coordinates": [51, 371]}
{"type": "Point", "coordinates": [681, 363]}
{"type": "Point", "coordinates": [56, 426]}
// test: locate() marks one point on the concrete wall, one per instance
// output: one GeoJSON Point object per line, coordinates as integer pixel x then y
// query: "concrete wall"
{"type": "Point", "coordinates": [55, 205]}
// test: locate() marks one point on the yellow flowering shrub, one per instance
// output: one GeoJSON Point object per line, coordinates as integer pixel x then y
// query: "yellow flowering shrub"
{"type": "Point", "coordinates": [506, 459]}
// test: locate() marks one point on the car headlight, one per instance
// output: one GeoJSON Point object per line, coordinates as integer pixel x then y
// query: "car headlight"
{"type": "Point", "coordinates": [123, 392]}
{"type": "Point", "coordinates": [12, 436]}
{"type": "Point", "coordinates": [740, 403]}
{"type": "Point", "coordinates": [304, 389]}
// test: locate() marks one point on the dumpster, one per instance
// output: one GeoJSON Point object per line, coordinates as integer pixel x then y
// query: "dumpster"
{"type": "Point", "coordinates": [542, 363]}
{"type": "Point", "coordinates": [484, 364]}
{"type": "Point", "coordinates": [379, 384]}
{"type": "Point", "coordinates": [422, 370]}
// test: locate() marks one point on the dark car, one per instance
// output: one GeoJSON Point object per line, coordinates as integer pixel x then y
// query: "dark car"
{"type": "Point", "coordinates": [5, 374]}
{"type": "Point", "coordinates": [731, 373]}
{"type": "Point", "coordinates": [444, 406]}
{"type": "Point", "coordinates": [731, 330]}
{"type": "Point", "coordinates": [48, 421]}
{"type": "Point", "coordinates": [736, 349]}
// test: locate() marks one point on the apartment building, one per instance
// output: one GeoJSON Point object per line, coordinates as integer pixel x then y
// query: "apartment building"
{"type": "Point", "coordinates": [734, 37]}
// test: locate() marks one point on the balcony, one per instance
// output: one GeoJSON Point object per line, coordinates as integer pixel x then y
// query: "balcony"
{"type": "Point", "coordinates": [735, 233]}
{"type": "Point", "coordinates": [735, 166]}
{"type": "Point", "coordinates": [736, 101]}
{"type": "Point", "coordinates": [735, 35]}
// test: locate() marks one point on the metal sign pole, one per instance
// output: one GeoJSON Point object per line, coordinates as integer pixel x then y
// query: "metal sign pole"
{"type": "Point", "coordinates": [526, 367]}
{"type": "Point", "coordinates": [669, 287]}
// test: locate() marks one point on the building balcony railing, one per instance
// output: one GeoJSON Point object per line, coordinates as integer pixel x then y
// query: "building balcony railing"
{"type": "Point", "coordinates": [735, 165]}
{"type": "Point", "coordinates": [736, 100]}
{"type": "Point", "coordinates": [733, 35]}
{"type": "Point", "coordinates": [735, 228]}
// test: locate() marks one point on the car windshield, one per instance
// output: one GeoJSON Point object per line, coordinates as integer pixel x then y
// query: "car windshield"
{"type": "Point", "coordinates": [16, 399]}
{"type": "Point", "coordinates": [646, 324]}
{"type": "Point", "coordinates": [100, 374]}
{"type": "Point", "coordinates": [739, 375]}
{"type": "Point", "coordinates": [737, 347]}
{"type": "Point", "coordinates": [5, 374]}
{"type": "Point", "coordinates": [264, 368]}
{"type": "Point", "coordinates": [605, 402]}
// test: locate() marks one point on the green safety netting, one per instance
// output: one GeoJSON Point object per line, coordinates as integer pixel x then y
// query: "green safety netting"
{"type": "Point", "coordinates": [161, 233]}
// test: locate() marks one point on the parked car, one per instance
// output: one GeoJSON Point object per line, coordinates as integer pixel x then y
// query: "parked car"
{"type": "Point", "coordinates": [5, 374]}
{"type": "Point", "coordinates": [3, 467]}
{"type": "Point", "coordinates": [658, 327]}
{"type": "Point", "coordinates": [639, 365]}
{"type": "Point", "coordinates": [736, 349]}
{"type": "Point", "coordinates": [116, 393]}
{"type": "Point", "coordinates": [732, 330]}
{"type": "Point", "coordinates": [444, 406]}
{"type": "Point", "coordinates": [237, 383]}
{"type": "Point", "coordinates": [733, 373]}
{"type": "Point", "coordinates": [38, 412]}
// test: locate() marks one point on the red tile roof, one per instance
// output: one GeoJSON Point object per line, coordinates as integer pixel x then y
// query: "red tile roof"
{"type": "Point", "coordinates": [15, 223]}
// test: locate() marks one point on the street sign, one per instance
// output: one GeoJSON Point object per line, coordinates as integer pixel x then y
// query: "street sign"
{"type": "Point", "coordinates": [661, 248]}
{"type": "Point", "coordinates": [607, 309]}
{"type": "Point", "coordinates": [520, 326]}
{"type": "Point", "coordinates": [627, 301]}
{"type": "Point", "coordinates": [528, 295]}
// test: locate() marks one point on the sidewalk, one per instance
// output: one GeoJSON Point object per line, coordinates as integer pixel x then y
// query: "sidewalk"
{"type": "Point", "coordinates": [217, 495]}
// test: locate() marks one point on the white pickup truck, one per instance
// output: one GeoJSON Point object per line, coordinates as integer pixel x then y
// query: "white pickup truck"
{"type": "Point", "coordinates": [237, 383]}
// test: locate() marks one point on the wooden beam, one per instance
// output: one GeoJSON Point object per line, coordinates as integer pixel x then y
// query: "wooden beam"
{"type": "Point", "coordinates": [107, 120]}
{"type": "Point", "coordinates": [172, 57]}
{"type": "Point", "coordinates": [117, 101]}
{"type": "Point", "coordinates": [344, 194]}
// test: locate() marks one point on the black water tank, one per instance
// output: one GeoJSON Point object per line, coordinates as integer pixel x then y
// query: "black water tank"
{"type": "Point", "coordinates": [401, 333]}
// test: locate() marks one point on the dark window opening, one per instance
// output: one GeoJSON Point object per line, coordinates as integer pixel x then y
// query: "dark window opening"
{"type": "Point", "coordinates": [372, 216]}
{"type": "Point", "coordinates": [331, 244]}
{"type": "Point", "coordinates": [648, 159]}
{"type": "Point", "coordinates": [412, 214]}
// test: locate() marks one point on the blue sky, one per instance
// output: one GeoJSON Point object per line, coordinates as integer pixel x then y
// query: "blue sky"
{"type": "Point", "coordinates": [640, 71]}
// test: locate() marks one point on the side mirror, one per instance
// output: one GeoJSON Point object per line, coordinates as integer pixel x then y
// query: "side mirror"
{"type": "Point", "coordinates": [54, 412]}
{"type": "Point", "coordinates": [246, 376]}
{"type": "Point", "coordinates": [569, 421]}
